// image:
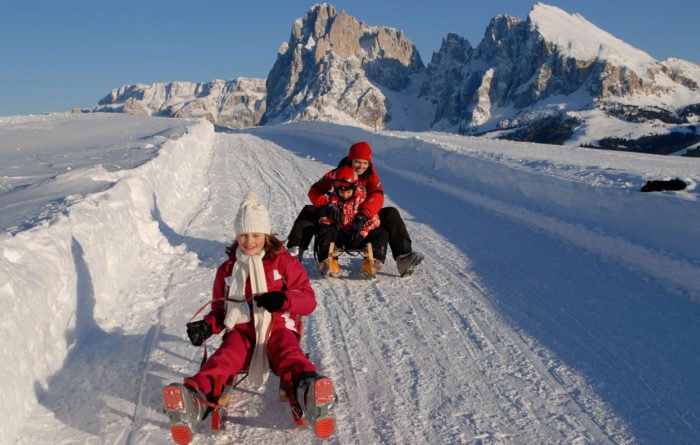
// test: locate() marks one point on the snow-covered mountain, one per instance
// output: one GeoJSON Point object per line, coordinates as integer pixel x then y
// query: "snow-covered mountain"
{"type": "Point", "coordinates": [557, 303]}
{"type": "Point", "coordinates": [554, 77]}
{"type": "Point", "coordinates": [236, 103]}
{"type": "Point", "coordinates": [558, 67]}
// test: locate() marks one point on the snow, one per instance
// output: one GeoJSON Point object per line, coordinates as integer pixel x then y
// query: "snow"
{"type": "Point", "coordinates": [578, 38]}
{"type": "Point", "coordinates": [556, 304]}
{"type": "Point", "coordinates": [50, 160]}
{"type": "Point", "coordinates": [408, 111]}
{"type": "Point", "coordinates": [683, 66]}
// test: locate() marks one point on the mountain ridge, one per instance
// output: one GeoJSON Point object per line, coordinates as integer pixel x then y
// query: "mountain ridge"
{"type": "Point", "coordinates": [553, 70]}
{"type": "Point", "coordinates": [236, 103]}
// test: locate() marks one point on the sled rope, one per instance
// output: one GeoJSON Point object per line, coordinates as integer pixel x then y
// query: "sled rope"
{"type": "Point", "coordinates": [208, 303]}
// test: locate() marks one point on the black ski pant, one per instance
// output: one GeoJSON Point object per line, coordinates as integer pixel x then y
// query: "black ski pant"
{"type": "Point", "coordinates": [325, 234]}
{"type": "Point", "coordinates": [399, 241]}
{"type": "Point", "coordinates": [305, 225]}
{"type": "Point", "coordinates": [304, 228]}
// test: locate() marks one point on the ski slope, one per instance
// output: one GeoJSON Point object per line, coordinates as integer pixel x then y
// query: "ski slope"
{"type": "Point", "coordinates": [556, 304]}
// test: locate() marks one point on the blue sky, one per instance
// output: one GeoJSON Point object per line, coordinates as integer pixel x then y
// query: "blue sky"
{"type": "Point", "coordinates": [59, 54]}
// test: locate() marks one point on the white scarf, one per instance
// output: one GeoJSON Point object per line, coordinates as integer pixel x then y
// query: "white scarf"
{"type": "Point", "coordinates": [244, 267]}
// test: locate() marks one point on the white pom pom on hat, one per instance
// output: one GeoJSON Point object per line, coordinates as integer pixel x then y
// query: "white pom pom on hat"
{"type": "Point", "coordinates": [252, 216]}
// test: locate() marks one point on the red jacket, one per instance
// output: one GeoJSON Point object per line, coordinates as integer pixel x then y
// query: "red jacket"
{"type": "Point", "coordinates": [282, 273]}
{"type": "Point", "coordinates": [350, 208]}
{"type": "Point", "coordinates": [322, 190]}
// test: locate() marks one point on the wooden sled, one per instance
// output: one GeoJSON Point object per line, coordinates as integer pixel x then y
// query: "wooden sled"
{"type": "Point", "coordinates": [331, 268]}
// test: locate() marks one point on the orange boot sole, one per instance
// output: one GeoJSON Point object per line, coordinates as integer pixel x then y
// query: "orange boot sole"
{"type": "Point", "coordinates": [173, 400]}
{"type": "Point", "coordinates": [324, 397]}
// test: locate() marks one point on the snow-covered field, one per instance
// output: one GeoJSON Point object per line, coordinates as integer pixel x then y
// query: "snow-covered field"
{"type": "Point", "coordinates": [557, 303]}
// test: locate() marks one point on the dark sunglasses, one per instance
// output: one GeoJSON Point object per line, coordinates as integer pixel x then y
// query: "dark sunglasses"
{"type": "Point", "coordinates": [344, 187]}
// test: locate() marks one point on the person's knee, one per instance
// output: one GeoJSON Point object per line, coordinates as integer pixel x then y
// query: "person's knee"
{"type": "Point", "coordinates": [308, 213]}
{"type": "Point", "coordinates": [389, 212]}
{"type": "Point", "coordinates": [389, 216]}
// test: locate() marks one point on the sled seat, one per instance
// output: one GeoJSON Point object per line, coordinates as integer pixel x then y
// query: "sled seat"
{"type": "Point", "coordinates": [335, 251]}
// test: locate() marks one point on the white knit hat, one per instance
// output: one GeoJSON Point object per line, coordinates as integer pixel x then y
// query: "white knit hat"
{"type": "Point", "coordinates": [252, 216]}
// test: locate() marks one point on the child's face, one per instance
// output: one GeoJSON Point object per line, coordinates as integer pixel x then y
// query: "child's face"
{"type": "Point", "coordinates": [251, 243]}
{"type": "Point", "coordinates": [360, 166]}
{"type": "Point", "coordinates": [344, 194]}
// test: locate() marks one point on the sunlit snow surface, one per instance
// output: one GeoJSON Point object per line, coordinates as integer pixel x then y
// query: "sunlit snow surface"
{"type": "Point", "coordinates": [556, 304]}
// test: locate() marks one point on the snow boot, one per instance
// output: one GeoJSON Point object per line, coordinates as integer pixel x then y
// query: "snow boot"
{"type": "Point", "coordinates": [316, 397]}
{"type": "Point", "coordinates": [370, 268]}
{"type": "Point", "coordinates": [296, 251]}
{"type": "Point", "coordinates": [185, 408]}
{"type": "Point", "coordinates": [407, 262]}
{"type": "Point", "coordinates": [330, 267]}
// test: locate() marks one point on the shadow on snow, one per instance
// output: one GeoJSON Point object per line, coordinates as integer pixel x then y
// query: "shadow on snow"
{"type": "Point", "coordinates": [91, 383]}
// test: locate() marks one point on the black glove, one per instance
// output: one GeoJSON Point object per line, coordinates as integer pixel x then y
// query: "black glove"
{"type": "Point", "coordinates": [271, 301]}
{"type": "Point", "coordinates": [198, 331]}
{"type": "Point", "coordinates": [333, 212]}
{"type": "Point", "coordinates": [357, 225]}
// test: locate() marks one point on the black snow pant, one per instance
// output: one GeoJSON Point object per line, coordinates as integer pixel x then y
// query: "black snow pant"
{"type": "Point", "coordinates": [304, 228]}
{"type": "Point", "coordinates": [305, 225]}
{"type": "Point", "coordinates": [325, 234]}
{"type": "Point", "coordinates": [399, 241]}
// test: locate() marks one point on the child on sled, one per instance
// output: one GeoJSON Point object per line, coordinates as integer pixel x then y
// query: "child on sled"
{"type": "Point", "coordinates": [360, 159]}
{"type": "Point", "coordinates": [259, 296]}
{"type": "Point", "coordinates": [342, 223]}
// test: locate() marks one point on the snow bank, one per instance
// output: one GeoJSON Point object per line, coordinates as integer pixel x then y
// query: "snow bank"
{"type": "Point", "coordinates": [87, 258]}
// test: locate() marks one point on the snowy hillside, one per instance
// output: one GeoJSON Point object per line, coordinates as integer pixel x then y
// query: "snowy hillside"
{"type": "Point", "coordinates": [580, 39]}
{"type": "Point", "coordinates": [557, 303]}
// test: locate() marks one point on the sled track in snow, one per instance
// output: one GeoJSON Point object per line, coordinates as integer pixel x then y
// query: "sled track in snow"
{"type": "Point", "coordinates": [152, 340]}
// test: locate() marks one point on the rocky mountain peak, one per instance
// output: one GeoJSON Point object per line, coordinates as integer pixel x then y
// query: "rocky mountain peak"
{"type": "Point", "coordinates": [453, 50]}
{"type": "Point", "coordinates": [334, 63]}
{"type": "Point", "coordinates": [500, 28]}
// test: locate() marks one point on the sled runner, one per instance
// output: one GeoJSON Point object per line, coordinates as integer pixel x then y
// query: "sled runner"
{"type": "Point", "coordinates": [224, 393]}
{"type": "Point", "coordinates": [331, 268]}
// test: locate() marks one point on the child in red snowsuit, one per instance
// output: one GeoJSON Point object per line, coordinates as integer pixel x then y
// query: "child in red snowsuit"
{"type": "Point", "coordinates": [343, 223]}
{"type": "Point", "coordinates": [259, 295]}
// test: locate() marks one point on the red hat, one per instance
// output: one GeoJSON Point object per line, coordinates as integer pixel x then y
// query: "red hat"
{"type": "Point", "coordinates": [361, 150]}
{"type": "Point", "coordinates": [345, 176]}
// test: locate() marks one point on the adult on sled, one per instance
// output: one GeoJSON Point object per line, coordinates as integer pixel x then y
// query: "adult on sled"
{"type": "Point", "coordinates": [339, 224]}
{"type": "Point", "coordinates": [259, 295]}
{"type": "Point", "coordinates": [359, 158]}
